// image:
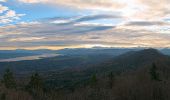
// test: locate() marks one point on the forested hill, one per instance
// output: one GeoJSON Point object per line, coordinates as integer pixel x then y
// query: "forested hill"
{"type": "Point", "coordinates": [130, 61]}
{"type": "Point", "coordinates": [135, 75]}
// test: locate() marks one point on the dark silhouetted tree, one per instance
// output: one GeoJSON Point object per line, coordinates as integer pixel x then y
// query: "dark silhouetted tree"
{"type": "Point", "coordinates": [93, 81]}
{"type": "Point", "coordinates": [153, 73]}
{"type": "Point", "coordinates": [36, 82]}
{"type": "Point", "coordinates": [8, 79]}
{"type": "Point", "coordinates": [111, 79]}
{"type": "Point", "coordinates": [36, 86]}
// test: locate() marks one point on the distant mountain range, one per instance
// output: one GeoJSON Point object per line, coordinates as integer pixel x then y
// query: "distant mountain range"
{"type": "Point", "coordinates": [79, 64]}
{"type": "Point", "coordinates": [133, 60]}
{"type": "Point", "coordinates": [129, 61]}
{"type": "Point", "coordinates": [7, 54]}
{"type": "Point", "coordinates": [81, 57]}
{"type": "Point", "coordinates": [79, 51]}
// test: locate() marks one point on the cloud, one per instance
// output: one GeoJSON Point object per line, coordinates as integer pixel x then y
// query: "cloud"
{"type": "Point", "coordinates": [83, 4]}
{"type": "Point", "coordinates": [7, 15]}
{"type": "Point", "coordinates": [146, 23]}
{"type": "Point", "coordinates": [86, 18]}
{"type": "Point", "coordinates": [36, 35]}
{"type": "Point", "coordinates": [34, 1]}
{"type": "Point", "coordinates": [110, 23]}
{"type": "Point", "coordinates": [24, 39]}
{"type": "Point", "coordinates": [93, 24]}
{"type": "Point", "coordinates": [3, 8]}
{"type": "Point", "coordinates": [97, 17]}
{"type": "Point", "coordinates": [3, 0]}
{"type": "Point", "coordinates": [133, 9]}
{"type": "Point", "coordinates": [154, 9]}
{"type": "Point", "coordinates": [40, 34]}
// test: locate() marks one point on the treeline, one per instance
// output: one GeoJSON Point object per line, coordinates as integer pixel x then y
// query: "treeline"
{"type": "Point", "coordinates": [10, 90]}
{"type": "Point", "coordinates": [143, 84]}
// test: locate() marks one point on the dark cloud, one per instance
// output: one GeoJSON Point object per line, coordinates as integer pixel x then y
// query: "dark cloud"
{"type": "Point", "coordinates": [97, 17]}
{"type": "Point", "coordinates": [87, 29]}
{"type": "Point", "coordinates": [94, 37]}
{"type": "Point", "coordinates": [78, 32]}
{"type": "Point", "coordinates": [145, 23]}
{"type": "Point", "coordinates": [73, 20]}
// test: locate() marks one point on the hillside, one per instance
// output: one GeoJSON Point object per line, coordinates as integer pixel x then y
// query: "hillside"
{"type": "Point", "coordinates": [110, 78]}
{"type": "Point", "coordinates": [72, 69]}
{"type": "Point", "coordinates": [133, 60]}
{"type": "Point", "coordinates": [53, 64]}
{"type": "Point", "coordinates": [130, 61]}
{"type": "Point", "coordinates": [69, 58]}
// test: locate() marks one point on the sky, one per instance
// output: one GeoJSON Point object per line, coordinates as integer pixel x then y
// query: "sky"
{"type": "Point", "coordinates": [59, 24]}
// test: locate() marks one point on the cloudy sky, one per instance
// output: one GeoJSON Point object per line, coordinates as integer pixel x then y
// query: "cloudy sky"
{"type": "Point", "coordinates": [58, 24]}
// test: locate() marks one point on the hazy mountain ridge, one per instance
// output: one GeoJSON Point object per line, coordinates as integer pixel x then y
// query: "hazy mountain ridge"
{"type": "Point", "coordinates": [79, 51]}
{"type": "Point", "coordinates": [134, 59]}
{"type": "Point", "coordinates": [127, 58]}
{"type": "Point", "coordinates": [130, 68]}
{"type": "Point", "coordinates": [129, 61]}
{"type": "Point", "coordinates": [71, 58]}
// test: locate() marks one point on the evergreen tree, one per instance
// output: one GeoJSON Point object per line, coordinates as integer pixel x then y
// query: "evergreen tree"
{"type": "Point", "coordinates": [35, 82]}
{"type": "Point", "coordinates": [8, 79]}
{"type": "Point", "coordinates": [153, 73]}
{"type": "Point", "coordinates": [35, 86]}
{"type": "Point", "coordinates": [111, 80]}
{"type": "Point", "coordinates": [93, 81]}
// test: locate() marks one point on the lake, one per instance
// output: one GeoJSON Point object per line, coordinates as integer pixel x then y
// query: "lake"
{"type": "Point", "coordinates": [29, 57]}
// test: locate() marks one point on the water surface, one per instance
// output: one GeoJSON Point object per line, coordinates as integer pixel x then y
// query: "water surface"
{"type": "Point", "coordinates": [29, 57]}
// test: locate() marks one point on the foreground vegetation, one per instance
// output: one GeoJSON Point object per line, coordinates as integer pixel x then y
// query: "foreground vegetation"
{"type": "Point", "coordinates": [148, 83]}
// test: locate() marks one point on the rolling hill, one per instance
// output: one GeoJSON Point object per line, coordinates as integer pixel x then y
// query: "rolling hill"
{"type": "Point", "coordinates": [130, 61]}
{"type": "Point", "coordinates": [73, 69]}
